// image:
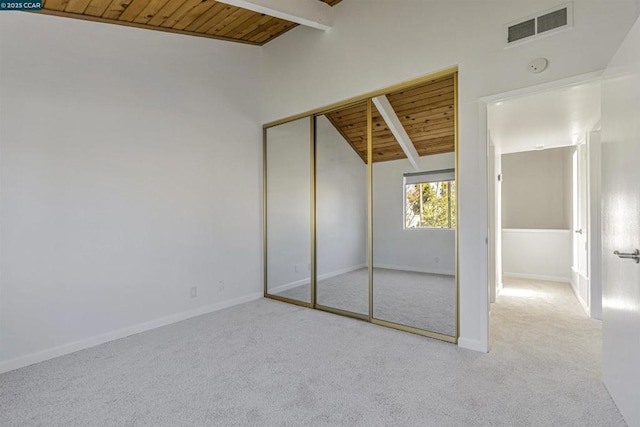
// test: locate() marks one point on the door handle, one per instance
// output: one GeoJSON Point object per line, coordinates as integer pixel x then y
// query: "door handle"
{"type": "Point", "coordinates": [579, 231]}
{"type": "Point", "coordinates": [635, 255]}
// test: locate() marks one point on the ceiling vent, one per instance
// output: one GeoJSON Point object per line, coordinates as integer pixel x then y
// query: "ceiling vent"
{"type": "Point", "coordinates": [542, 24]}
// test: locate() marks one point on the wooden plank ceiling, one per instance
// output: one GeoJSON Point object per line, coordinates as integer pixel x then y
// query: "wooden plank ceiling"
{"type": "Point", "coordinates": [426, 111]}
{"type": "Point", "coordinates": [202, 18]}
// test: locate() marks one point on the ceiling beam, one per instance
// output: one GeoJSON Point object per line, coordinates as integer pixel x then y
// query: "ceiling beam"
{"type": "Point", "coordinates": [311, 13]}
{"type": "Point", "coordinates": [395, 126]}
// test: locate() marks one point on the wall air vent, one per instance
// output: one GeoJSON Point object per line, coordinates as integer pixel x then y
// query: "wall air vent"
{"type": "Point", "coordinates": [522, 30]}
{"type": "Point", "coordinates": [541, 24]}
{"type": "Point", "coordinates": [552, 20]}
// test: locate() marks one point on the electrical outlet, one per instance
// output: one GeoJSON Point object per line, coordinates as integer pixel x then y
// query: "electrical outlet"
{"type": "Point", "coordinates": [296, 268]}
{"type": "Point", "coordinates": [194, 292]}
{"type": "Point", "coordinates": [437, 260]}
{"type": "Point", "coordinates": [221, 285]}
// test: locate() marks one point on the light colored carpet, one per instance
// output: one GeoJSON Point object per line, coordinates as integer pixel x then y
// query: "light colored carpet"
{"type": "Point", "coordinates": [268, 363]}
{"type": "Point", "coordinates": [424, 301]}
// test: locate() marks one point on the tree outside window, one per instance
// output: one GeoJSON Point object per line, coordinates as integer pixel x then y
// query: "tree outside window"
{"type": "Point", "coordinates": [430, 205]}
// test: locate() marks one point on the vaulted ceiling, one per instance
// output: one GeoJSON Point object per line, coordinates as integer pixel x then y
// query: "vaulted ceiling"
{"type": "Point", "coordinates": [202, 18]}
{"type": "Point", "coordinates": [426, 111]}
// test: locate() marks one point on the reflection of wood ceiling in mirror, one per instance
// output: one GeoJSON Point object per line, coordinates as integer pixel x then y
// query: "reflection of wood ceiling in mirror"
{"type": "Point", "coordinates": [426, 111]}
{"type": "Point", "coordinates": [203, 18]}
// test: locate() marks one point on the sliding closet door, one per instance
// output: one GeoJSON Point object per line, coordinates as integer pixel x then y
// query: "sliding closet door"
{"type": "Point", "coordinates": [414, 209]}
{"type": "Point", "coordinates": [342, 281]}
{"type": "Point", "coordinates": [361, 209]}
{"type": "Point", "coordinates": [288, 200]}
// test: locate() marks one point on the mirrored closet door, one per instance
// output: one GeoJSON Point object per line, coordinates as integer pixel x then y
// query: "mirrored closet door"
{"type": "Point", "coordinates": [288, 204]}
{"type": "Point", "coordinates": [361, 208]}
{"type": "Point", "coordinates": [342, 281]}
{"type": "Point", "coordinates": [414, 208]}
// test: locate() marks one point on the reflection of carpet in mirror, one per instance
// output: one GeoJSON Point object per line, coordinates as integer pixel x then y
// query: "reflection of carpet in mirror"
{"type": "Point", "coordinates": [421, 300]}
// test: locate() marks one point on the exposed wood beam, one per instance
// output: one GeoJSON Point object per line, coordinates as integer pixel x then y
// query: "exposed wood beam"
{"type": "Point", "coordinates": [395, 126]}
{"type": "Point", "coordinates": [311, 13]}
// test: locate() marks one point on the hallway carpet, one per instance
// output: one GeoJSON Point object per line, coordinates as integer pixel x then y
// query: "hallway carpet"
{"type": "Point", "coordinates": [267, 363]}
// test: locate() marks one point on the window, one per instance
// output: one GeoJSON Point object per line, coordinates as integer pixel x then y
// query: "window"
{"type": "Point", "coordinates": [430, 199]}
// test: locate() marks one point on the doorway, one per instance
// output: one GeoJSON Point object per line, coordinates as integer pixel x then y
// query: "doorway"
{"type": "Point", "coordinates": [543, 185]}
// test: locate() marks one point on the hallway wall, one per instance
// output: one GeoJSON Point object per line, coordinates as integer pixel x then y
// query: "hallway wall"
{"type": "Point", "coordinates": [536, 214]}
{"type": "Point", "coordinates": [534, 189]}
{"type": "Point", "coordinates": [537, 254]}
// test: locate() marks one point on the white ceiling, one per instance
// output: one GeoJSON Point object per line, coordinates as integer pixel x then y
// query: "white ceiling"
{"type": "Point", "coordinates": [554, 118]}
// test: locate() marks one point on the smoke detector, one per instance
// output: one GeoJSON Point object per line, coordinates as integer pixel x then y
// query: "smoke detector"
{"type": "Point", "coordinates": [538, 65]}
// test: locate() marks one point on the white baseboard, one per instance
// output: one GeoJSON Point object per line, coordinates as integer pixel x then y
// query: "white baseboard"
{"type": "Point", "coordinates": [472, 345]}
{"type": "Point", "coordinates": [297, 283]}
{"type": "Point", "coordinates": [414, 269]}
{"type": "Point", "coordinates": [72, 347]}
{"type": "Point", "coordinates": [288, 286]}
{"type": "Point", "coordinates": [580, 300]}
{"type": "Point", "coordinates": [341, 271]}
{"type": "Point", "coordinates": [537, 277]}
{"type": "Point", "coordinates": [575, 277]}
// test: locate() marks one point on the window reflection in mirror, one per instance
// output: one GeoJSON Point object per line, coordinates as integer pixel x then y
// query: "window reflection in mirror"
{"type": "Point", "coordinates": [414, 208]}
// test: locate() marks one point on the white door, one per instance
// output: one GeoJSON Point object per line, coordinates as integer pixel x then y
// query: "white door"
{"type": "Point", "coordinates": [582, 228]}
{"type": "Point", "coordinates": [581, 223]}
{"type": "Point", "coordinates": [621, 227]}
{"type": "Point", "coordinates": [493, 207]}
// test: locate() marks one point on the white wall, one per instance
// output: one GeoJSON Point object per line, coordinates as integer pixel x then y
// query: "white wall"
{"type": "Point", "coordinates": [424, 250]}
{"type": "Point", "coordinates": [537, 254]}
{"type": "Point", "coordinates": [377, 43]}
{"type": "Point", "coordinates": [341, 203]}
{"type": "Point", "coordinates": [536, 214]}
{"type": "Point", "coordinates": [534, 189]}
{"type": "Point", "coordinates": [130, 172]}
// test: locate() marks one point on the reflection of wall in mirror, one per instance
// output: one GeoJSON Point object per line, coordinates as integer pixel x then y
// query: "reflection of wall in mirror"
{"type": "Point", "coordinates": [394, 247]}
{"type": "Point", "coordinates": [341, 203]}
{"type": "Point", "coordinates": [288, 205]}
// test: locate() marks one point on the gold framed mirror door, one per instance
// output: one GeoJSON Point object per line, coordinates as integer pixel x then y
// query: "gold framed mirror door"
{"type": "Point", "coordinates": [381, 174]}
{"type": "Point", "coordinates": [414, 209]}
{"type": "Point", "coordinates": [342, 279]}
{"type": "Point", "coordinates": [289, 211]}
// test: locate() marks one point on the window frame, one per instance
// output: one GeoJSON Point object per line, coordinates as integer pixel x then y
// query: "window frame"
{"type": "Point", "coordinates": [425, 174]}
